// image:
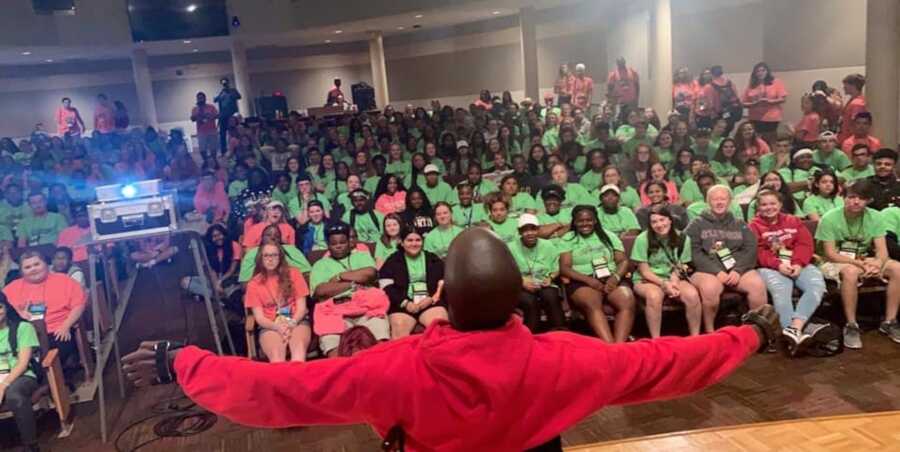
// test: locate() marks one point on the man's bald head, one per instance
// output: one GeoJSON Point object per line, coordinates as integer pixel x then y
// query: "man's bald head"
{"type": "Point", "coordinates": [481, 281]}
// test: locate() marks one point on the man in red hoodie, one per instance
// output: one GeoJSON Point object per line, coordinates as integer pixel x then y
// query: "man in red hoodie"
{"type": "Point", "coordinates": [480, 382]}
{"type": "Point", "coordinates": [784, 251]}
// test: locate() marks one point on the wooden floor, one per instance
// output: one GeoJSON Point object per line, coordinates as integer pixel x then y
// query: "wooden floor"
{"type": "Point", "coordinates": [768, 388]}
{"type": "Point", "coordinates": [870, 432]}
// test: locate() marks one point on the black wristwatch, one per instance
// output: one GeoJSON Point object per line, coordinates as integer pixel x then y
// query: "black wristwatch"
{"type": "Point", "coordinates": [164, 372]}
{"type": "Point", "coordinates": [760, 325]}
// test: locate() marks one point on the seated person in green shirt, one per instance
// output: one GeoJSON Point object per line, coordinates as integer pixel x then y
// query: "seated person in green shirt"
{"type": "Point", "coordinates": [18, 344]}
{"type": "Point", "coordinates": [638, 138]}
{"type": "Point", "coordinates": [412, 278]}
{"type": "Point", "coordinates": [298, 205]}
{"type": "Point", "coordinates": [397, 163]}
{"type": "Point", "coordinates": [773, 181]}
{"type": "Point", "coordinates": [798, 175]}
{"type": "Point", "coordinates": [498, 220]}
{"type": "Point", "coordinates": [628, 195]}
{"type": "Point", "coordinates": [343, 199]}
{"type": "Point", "coordinates": [312, 233]}
{"type": "Point", "coordinates": [438, 240]}
{"type": "Point", "coordinates": [239, 181]}
{"type": "Point", "coordinates": [272, 234]}
{"type": "Point", "coordinates": [362, 218]}
{"type": "Point", "coordinates": [519, 201]}
{"type": "Point", "coordinates": [705, 180]}
{"type": "Point", "coordinates": [780, 157]}
{"type": "Point", "coordinates": [554, 219]}
{"type": "Point", "coordinates": [575, 193]}
{"type": "Point", "coordinates": [379, 162]}
{"type": "Point", "coordinates": [662, 255]}
{"type": "Point", "coordinates": [283, 191]}
{"type": "Point", "coordinates": [860, 168]}
{"type": "Point", "coordinates": [828, 154]}
{"type": "Point", "coordinates": [13, 207]}
{"type": "Point", "coordinates": [703, 144]}
{"type": "Point", "coordinates": [42, 227]}
{"type": "Point", "coordinates": [853, 245]}
{"type": "Point", "coordinates": [338, 276]}
{"type": "Point", "coordinates": [592, 178]}
{"type": "Point", "coordinates": [594, 262]}
{"type": "Point", "coordinates": [616, 219]}
{"type": "Point", "coordinates": [727, 164]}
{"type": "Point", "coordinates": [436, 189]}
{"type": "Point", "coordinates": [467, 212]}
{"type": "Point", "coordinates": [538, 262]}
{"type": "Point", "coordinates": [389, 239]}
{"type": "Point", "coordinates": [824, 195]}
{"type": "Point", "coordinates": [690, 192]}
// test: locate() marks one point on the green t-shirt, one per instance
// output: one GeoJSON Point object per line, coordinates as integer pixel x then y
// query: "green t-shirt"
{"type": "Point", "coordinates": [629, 198]}
{"type": "Point", "coordinates": [834, 227]}
{"type": "Point", "coordinates": [589, 144]}
{"type": "Point", "coordinates": [591, 180]}
{"type": "Point", "coordinates": [550, 140]}
{"type": "Point", "coordinates": [43, 230]}
{"type": "Point", "coordinates": [891, 216]}
{"type": "Point", "coordinates": [327, 267]}
{"type": "Point", "coordinates": [25, 337]}
{"type": "Point", "coordinates": [664, 261]}
{"type": "Point", "coordinates": [576, 194]}
{"type": "Point", "coordinates": [366, 230]}
{"type": "Point", "coordinates": [837, 160]}
{"type": "Point", "coordinates": [11, 216]}
{"type": "Point", "coordinates": [399, 169]}
{"type": "Point", "coordinates": [564, 217]}
{"type": "Point", "coordinates": [236, 187]}
{"type": "Point", "coordinates": [723, 169]}
{"type": "Point", "coordinates": [619, 222]}
{"type": "Point", "coordinates": [767, 163]}
{"type": "Point", "coordinates": [630, 146]}
{"type": "Point", "coordinates": [343, 200]}
{"type": "Point", "coordinates": [467, 216]}
{"type": "Point", "coordinates": [520, 203]}
{"type": "Point", "coordinates": [407, 180]}
{"type": "Point", "coordinates": [371, 184]}
{"type": "Point", "coordinates": [294, 206]}
{"type": "Point", "coordinates": [851, 173]}
{"type": "Point", "coordinates": [295, 258]}
{"type": "Point", "coordinates": [438, 240]}
{"type": "Point", "coordinates": [335, 189]}
{"type": "Point", "coordinates": [416, 269]}
{"type": "Point", "coordinates": [797, 175]}
{"type": "Point", "coordinates": [484, 187]}
{"type": "Point", "coordinates": [438, 193]}
{"type": "Point", "coordinates": [508, 230]}
{"type": "Point", "coordinates": [690, 192]}
{"type": "Point", "coordinates": [6, 234]}
{"type": "Point", "coordinates": [283, 197]}
{"type": "Point", "coordinates": [539, 262]}
{"type": "Point", "coordinates": [665, 156]}
{"type": "Point", "coordinates": [709, 152]}
{"type": "Point", "coordinates": [820, 206]}
{"type": "Point", "coordinates": [383, 251]}
{"type": "Point", "coordinates": [585, 249]}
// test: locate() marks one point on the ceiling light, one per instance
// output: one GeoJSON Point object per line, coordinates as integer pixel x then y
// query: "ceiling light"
{"type": "Point", "coordinates": [186, 41]}
{"type": "Point", "coordinates": [496, 13]}
{"type": "Point", "coordinates": [327, 41]}
{"type": "Point", "coordinates": [191, 8]}
{"type": "Point", "coordinates": [26, 53]}
{"type": "Point", "coordinates": [337, 32]}
{"type": "Point", "coordinates": [400, 28]}
{"type": "Point", "coordinates": [49, 60]}
{"type": "Point", "coordinates": [419, 16]}
{"type": "Point", "coordinates": [196, 50]}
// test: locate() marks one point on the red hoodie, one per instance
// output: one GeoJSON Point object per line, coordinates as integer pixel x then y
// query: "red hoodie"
{"type": "Point", "coordinates": [787, 231]}
{"type": "Point", "coordinates": [503, 389]}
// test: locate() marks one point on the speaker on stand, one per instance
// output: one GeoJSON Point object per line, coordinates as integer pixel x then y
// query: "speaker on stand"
{"type": "Point", "coordinates": [363, 96]}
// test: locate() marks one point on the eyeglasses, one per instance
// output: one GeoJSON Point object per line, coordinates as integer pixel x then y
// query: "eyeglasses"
{"type": "Point", "coordinates": [271, 256]}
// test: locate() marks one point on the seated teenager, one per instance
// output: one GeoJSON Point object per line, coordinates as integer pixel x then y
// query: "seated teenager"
{"type": "Point", "coordinates": [657, 195]}
{"type": "Point", "coordinates": [390, 196]}
{"type": "Point", "coordinates": [283, 192]}
{"type": "Point", "coordinates": [343, 199]}
{"type": "Point", "coordinates": [885, 181]}
{"type": "Point", "coordinates": [657, 173]}
{"type": "Point", "coordinates": [616, 219]}
{"type": "Point", "coordinates": [210, 199]}
{"type": "Point", "coordinates": [860, 166]}
{"type": "Point", "coordinates": [62, 263]}
{"type": "Point", "coordinates": [723, 253]}
{"type": "Point", "coordinates": [519, 201]}
{"type": "Point", "coordinates": [292, 255]}
{"type": "Point", "coordinates": [277, 296]}
{"type": "Point", "coordinates": [149, 251]}
{"type": "Point", "coordinates": [438, 240]}
{"type": "Point", "coordinates": [575, 193]}
{"type": "Point", "coordinates": [299, 204]}
{"type": "Point", "coordinates": [784, 252]}
{"type": "Point", "coordinates": [365, 221]}
{"type": "Point", "coordinates": [663, 254]}
{"type": "Point", "coordinates": [53, 297]}
{"type": "Point", "coordinates": [18, 345]}
{"type": "Point", "coordinates": [538, 261]}
{"type": "Point", "coordinates": [274, 215]}
{"type": "Point", "coordinates": [467, 212]}
{"type": "Point", "coordinates": [593, 260]}
{"type": "Point", "coordinates": [41, 227]}
{"type": "Point", "coordinates": [414, 277]}
{"type": "Point", "coordinates": [480, 186]}
{"type": "Point", "coordinates": [435, 189]}
{"type": "Point", "coordinates": [705, 180]}
{"type": "Point", "coordinates": [798, 174]}
{"type": "Point", "coordinates": [824, 196]}
{"type": "Point", "coordinates": [418, 213]}
{"type": "Point", "coordinates": [827, 153]}
{"type": "Point", "coordinates": [498, 217]}
{"type": "Point", "coordinates": [312, 235]}
{"type": "Point", "coordinates": [224, 256]}
{"type": "Point", "coordinates": [342, 284]}
{"type": "Point", "coordinates": [775, 182]}
{"type": "Point", "coordinates": [78, 235]}
{"type": "Point", "coordinates": [554, 219]}
{"type": "Point", "coordinates": [745, 193]}
{"type": "Point", "coordinates": [854, 250]}
{"type": "Point", "coordinates": [389, 240]}
{"type": "Point", "coordinates": [628, 196]}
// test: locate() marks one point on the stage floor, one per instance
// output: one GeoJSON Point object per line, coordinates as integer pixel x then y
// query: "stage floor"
{"type": "Point", "coordinates": [768, 388]}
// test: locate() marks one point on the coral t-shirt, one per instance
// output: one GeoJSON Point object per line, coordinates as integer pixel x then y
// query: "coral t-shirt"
{"type": "Point", "coordinates": [267, 295]}
{"type": "Point", "coordinates": [59, 293]}
{"type": "Point", "coordinates": [765, 111]}
{"type": "Point", "coordinates": [71, 237]}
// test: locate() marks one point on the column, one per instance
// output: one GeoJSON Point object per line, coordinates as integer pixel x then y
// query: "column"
{"type": "Point", "coordinates": [529, 53]}
{"type": "Point", "coordinates": [144, 86]}
{"type": "Point", "coordinates": [379, 69]}
{"type": "Point", "coordinates": [241, 77]}
{"type": "Point", "coordinates": [661, 56]}
{"type": "Point", "coordinates": [882, 72]}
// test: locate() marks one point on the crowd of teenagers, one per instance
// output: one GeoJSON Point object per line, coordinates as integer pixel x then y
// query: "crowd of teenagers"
{"type": "Point", "coordinates": [317, 225]}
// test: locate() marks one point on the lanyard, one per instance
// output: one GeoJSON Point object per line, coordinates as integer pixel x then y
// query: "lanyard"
{"type": "Point", "coordinates": [857, 236]}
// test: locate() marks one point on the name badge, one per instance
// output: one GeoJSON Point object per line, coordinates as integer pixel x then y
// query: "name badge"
{"type": "Point", "coordinates": [849, 248]}
{"type": "Point", "coordinates": [601, 267]}
{"type": "Point", "coordinates": [785, 255]}
{"type": "Point", "coordinates": [284, 311]}
{"type": "Point", "coordinates": [5, 368]}
{"type": "Point", "coordinates": [37, 310]}
{"type": "Point", "coordinates": [726, 258]}
{"type": "Point", "coordinates": [420, 291]}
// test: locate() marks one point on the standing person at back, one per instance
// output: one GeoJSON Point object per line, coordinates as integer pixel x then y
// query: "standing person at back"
{"type": "Point", "coordinates": [582, 88]}
{"type": "Point", "coordinates": [68, 120]}
{"type": "Point", "coordinates": [623, 85]}
{"type": "Point", "coordinates": [853, 88]}
{"type": "Point", "coordinates": [227, 100]}
{"type": "Point", "coordinates": [204, 115]}
{"type": "Point", "coordinates": [104, 115]}
{"type": "Point", "coordinates": [764, 98]}
{"type": "Point", "coordinates": [727, 101]}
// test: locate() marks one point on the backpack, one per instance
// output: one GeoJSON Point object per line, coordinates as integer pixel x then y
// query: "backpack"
{"type": "Point", "coordinates": [827, 338]}
{"type": "Point", "coordinates": [728, 98]}
{"type": "Point", "coordinates": [34, 365]}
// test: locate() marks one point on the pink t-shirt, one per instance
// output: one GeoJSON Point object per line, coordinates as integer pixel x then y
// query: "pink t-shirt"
{"type": "Point", "coordinates": [755, 151]}
{"type": "Point", "coordinates": [253, 235]}
{"type": "Point", "coordinates": [583, 86]}
{"type": "Point", "coordinates": [873, 143]}
{"type": "Point", "coordinates": [851, 109]}
{"type": "Point", "coordinates": [206, 119]}
{"type": "Point", "coordinates": [60, 294]}
{"type": "Point", "coordinates": [215, 199]}
{"type": "Point", "coordinates": [67, 121]}
{"type": "Point", "coordinates": [807, 130]}
{"type": "Point", "coordinates": [765, 111]}
{"type": "Point", "coordinates": [624, 85]}
{"type": "Point", "coordinates": [707, 101]}
{"type": "Point", "coordinates": [104, 118]}
{"type": "Point", "coordinates": [391, 204]}
{"type": "Point", "coordinates": [684, 95]}
{"type": "Point", "coordinates": [72, 235]}
{"type": "Point", "coordinates": [671, 189]}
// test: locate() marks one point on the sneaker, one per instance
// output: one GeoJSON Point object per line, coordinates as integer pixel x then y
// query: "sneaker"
{"type": "Point", "coordinates": [852, 337]}
{"type": "Point", "coordinates": [891, 329]}
{"type": "Point", "coordinates": [796, 339]}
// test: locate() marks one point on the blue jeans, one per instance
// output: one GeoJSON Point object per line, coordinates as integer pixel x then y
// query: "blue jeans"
{"type": "Point", "coordinates": [810, 282]}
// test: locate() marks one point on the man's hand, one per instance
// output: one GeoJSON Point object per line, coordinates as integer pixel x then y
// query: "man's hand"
{"type": "Point", "coordinates": [764, 320]}
{"type": "Point", "coordinates": [140, 365]}
{"type": "Point", "coordinates": [733, 278]}
{"type": "Point", "coordinates": [530, 285]}
{"type": "Point", "coordinates": [612, 283]}
{"type": "Point", "coordinates": [63, 335]}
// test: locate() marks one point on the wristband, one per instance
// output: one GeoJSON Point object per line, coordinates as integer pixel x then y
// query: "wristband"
{"type": "Point", "coordinates": [164, 372]}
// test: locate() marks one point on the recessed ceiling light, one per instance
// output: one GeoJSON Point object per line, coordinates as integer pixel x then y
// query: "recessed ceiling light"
{"type": "Point", "coordinates": [400, 28]}
{"type": "Point", "coordinates": [337, 32]}
{"type": "Point", "coordinates": [186, 41]}
{"type": "Point", "coordinates": [196, 50]}
{"type": "Point", "coordinates": [495, 13]}
{"type": "Point", "coordinates": [327, 41]}
{"type": "Point", "coordinates": [49, 60]}
{"type": "Point", "coordinates": [191, 8]}
{"type": "Point", "coordinates": [26, 53]}
{"type": "Point", "coordinates": [419, 16]}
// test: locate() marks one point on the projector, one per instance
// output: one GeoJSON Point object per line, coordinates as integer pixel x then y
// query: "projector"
{"type": "Point", "coordinates": [133, 210]}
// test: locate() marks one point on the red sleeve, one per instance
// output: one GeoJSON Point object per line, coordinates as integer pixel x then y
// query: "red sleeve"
{"type": "Point", "coordinates": [252, 297]}
{"type": "Point", "coordinates": [803, 245]}
{"type": "Point", "coordinates": [764, 254]}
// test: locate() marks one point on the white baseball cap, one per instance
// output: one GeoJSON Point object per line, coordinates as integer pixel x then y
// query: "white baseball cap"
{"type": "Point", "coordinates": [527, 219]}
{"type": "Point", "coordinates": [801, 153]}
{"type": "Point", "coordinates": [431, 168]}
{"type": "Point", "coordinates": [609, 187]}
